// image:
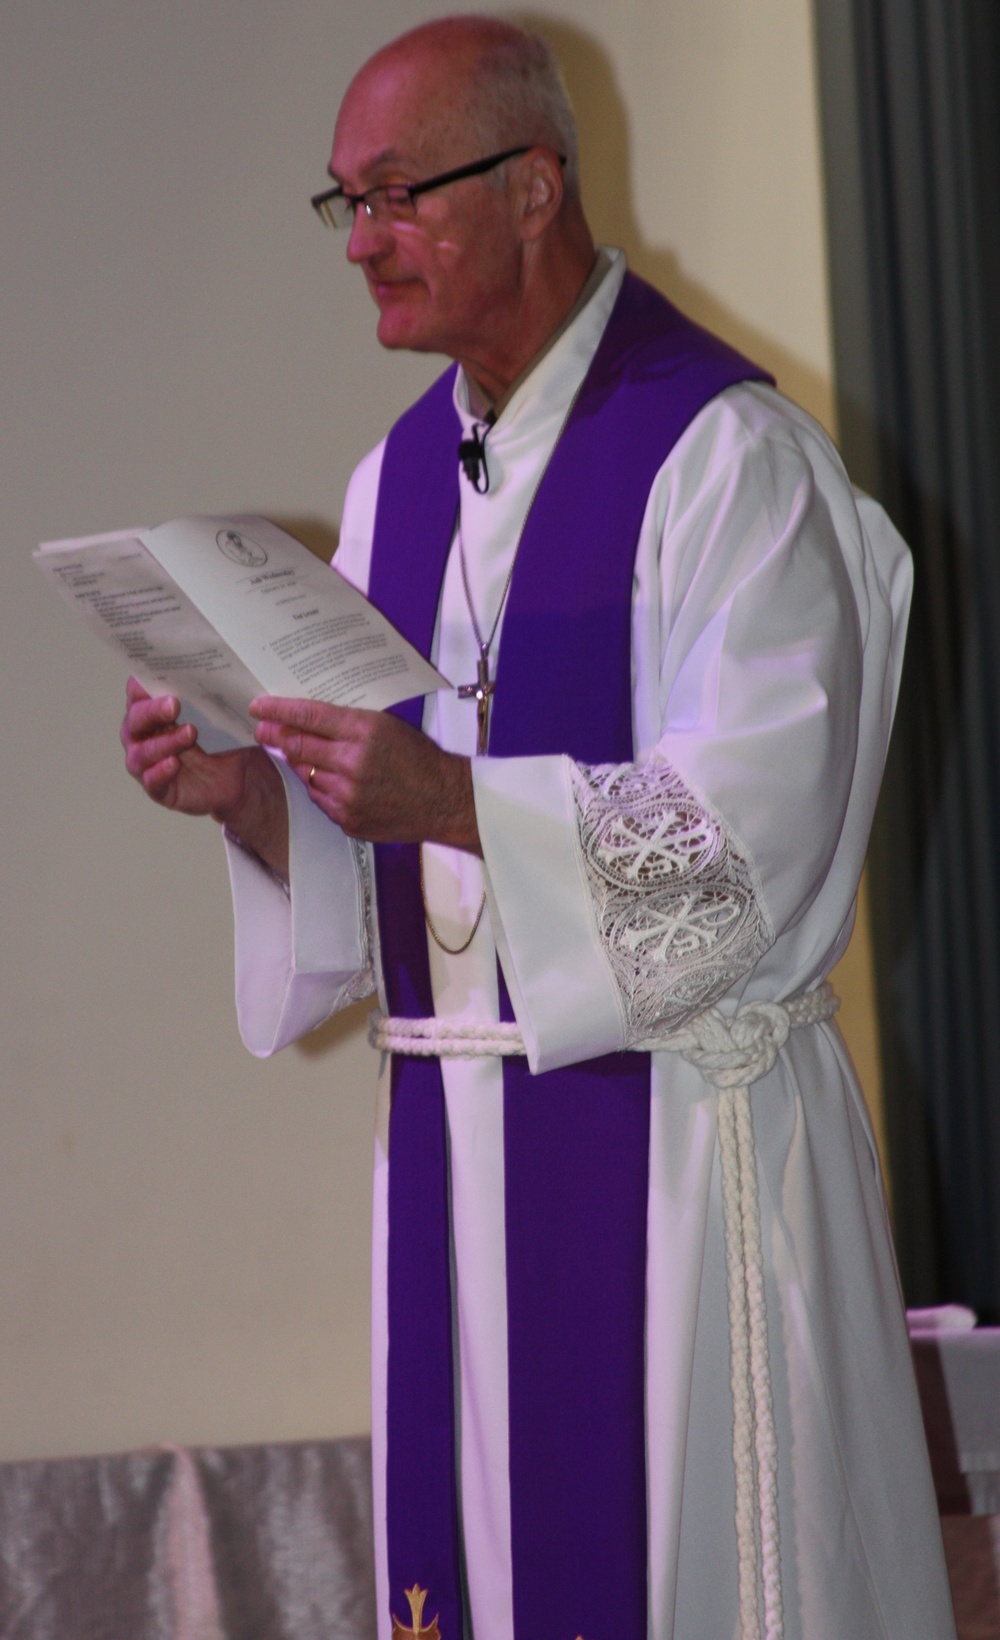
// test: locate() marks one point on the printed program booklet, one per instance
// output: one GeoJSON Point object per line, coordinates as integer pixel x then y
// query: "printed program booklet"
{"type": "Point", "coordinates": [218, 610]}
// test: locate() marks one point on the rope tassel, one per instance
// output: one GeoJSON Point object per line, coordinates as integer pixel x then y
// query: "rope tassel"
{"type": "Point", "coordinates": [754, 1441]}
{"type": "Point", "coordinates": [731, 1052]}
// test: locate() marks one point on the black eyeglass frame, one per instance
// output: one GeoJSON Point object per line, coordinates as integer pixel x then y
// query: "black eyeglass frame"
{"type": "Point", "coordinates": [321, 203]}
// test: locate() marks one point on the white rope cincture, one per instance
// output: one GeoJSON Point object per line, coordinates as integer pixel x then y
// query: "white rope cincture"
{"type": "Point", "coordinates": [731, 1052]}
{"type": "Point", "coordinates": [442, 1038]}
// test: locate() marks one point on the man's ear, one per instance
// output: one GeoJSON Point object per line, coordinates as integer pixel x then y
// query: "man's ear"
{"type": "Point", "coordinates": [542, 192]}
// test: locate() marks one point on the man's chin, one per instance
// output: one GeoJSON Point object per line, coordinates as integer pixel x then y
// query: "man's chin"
{"type": "Point", "coordinates": [400, 331]}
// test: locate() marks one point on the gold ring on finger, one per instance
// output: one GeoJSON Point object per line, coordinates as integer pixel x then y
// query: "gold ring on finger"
{"type": "Point", "coordinates": [310, 781]}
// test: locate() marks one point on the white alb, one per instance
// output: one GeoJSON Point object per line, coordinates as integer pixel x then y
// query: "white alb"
{"type": "Point", "coordinates": [767, 616]}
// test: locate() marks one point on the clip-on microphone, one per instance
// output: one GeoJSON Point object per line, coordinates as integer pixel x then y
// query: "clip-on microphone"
{"type": "Point", "coordinates": [472, 455]}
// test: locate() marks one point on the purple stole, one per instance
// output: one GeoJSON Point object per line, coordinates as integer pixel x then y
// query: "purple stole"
{"type": "Point", "coordinates": [576, 1141]}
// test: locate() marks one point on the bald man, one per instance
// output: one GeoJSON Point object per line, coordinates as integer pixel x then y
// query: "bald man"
{"type": "Point", "coordinates": [639, 1369]}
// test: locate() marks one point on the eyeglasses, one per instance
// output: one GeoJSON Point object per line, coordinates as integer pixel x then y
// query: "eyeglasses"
{"type": "Point", "coordinates": [396, 201]}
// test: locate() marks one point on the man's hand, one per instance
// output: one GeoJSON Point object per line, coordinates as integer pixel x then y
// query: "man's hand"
{"type": "Point", "coordinates": [241, 789]}
{"type": "Point", "coordinates": [373, 774]}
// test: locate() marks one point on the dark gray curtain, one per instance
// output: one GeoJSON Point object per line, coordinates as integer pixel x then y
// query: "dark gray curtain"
{"type": "Point", "coordinates": [911, 125]}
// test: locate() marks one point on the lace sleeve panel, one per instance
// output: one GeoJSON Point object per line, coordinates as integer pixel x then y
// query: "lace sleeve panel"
{"type": "Point", "coordinates": [675, 894]}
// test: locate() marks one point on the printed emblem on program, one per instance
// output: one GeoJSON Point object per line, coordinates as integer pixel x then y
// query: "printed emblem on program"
{"type": "Point", "coordinates": [241, 549]}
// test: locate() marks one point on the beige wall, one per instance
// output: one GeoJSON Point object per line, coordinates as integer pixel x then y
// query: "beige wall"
{"type": "Point", "coordinates": [183, 1230]}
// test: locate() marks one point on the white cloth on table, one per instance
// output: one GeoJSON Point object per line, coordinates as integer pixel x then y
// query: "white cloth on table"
{"type": "Point", "coordinates": [766, 642]}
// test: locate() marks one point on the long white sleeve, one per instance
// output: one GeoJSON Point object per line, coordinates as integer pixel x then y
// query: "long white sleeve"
{"type": "Point", "coordinates": [303, 952]}
{"type": "Point", "coordinates": [625, 900]}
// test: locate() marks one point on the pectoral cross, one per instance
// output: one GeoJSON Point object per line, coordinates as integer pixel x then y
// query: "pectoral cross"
{"type": "Point", "coordinates": [480, 692]}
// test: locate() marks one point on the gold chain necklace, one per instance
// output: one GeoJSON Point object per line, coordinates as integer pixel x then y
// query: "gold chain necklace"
{"type": "Point", "coordinates": [452, 950]}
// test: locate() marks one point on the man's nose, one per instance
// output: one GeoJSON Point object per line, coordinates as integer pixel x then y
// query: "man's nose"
{"type": "Point", "coordinates": [368, 236]}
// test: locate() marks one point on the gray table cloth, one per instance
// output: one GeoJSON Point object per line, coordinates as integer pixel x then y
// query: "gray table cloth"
{"type": "Point", "coordinates": [242, 1543]}
{"type": "Point", "coordinates": [275, 1542]}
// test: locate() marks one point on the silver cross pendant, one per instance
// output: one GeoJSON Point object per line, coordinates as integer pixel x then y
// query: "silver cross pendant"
{"type": "Point", "coordinates": [480, 692]}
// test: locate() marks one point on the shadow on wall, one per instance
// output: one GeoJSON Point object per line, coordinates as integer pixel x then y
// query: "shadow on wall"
{"type": "Point", "coordinates": [350, 1022]}
{"type": "Point", "coordinates": [318, 534]}
{"type": "Point", "coordinates": [606, 171]}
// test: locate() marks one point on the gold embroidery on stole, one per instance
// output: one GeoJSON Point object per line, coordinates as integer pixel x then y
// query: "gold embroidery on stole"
{"type": "Point", "coordinates": [416, 1596]}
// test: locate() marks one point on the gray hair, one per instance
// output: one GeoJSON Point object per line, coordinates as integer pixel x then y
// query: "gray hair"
{"type": "Point", "coordinates": [519, 96]}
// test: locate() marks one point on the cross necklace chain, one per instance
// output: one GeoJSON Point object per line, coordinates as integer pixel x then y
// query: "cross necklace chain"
{"type": "Point", "coordinates": [483, 690]}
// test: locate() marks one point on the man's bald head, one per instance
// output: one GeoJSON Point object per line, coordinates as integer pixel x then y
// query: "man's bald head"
{"type": "Point", "coordinates": [497, 86]}
{"type": "Point", "coordinates": [482, 266]}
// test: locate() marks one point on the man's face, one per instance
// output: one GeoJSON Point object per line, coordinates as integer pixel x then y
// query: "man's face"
{"type": "Point", "coordinates": [444, 279]}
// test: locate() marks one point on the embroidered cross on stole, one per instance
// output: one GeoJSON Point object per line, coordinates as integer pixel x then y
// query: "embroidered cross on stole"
{"type": "Point", "coordinates": [416, 1597]}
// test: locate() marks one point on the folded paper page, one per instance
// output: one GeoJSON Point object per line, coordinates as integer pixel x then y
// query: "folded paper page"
{"type": "Point", "coordinates": [217, 610]}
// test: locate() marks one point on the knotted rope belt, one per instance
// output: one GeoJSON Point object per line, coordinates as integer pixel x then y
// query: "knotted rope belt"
{"type": "Point", "coordinates": [731, 1052]}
